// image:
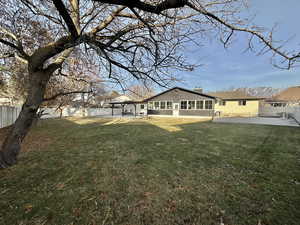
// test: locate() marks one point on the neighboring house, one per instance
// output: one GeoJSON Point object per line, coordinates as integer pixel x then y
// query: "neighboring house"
{"type": "Point", "coordinates": [289, 96]}
{"type": "Point", "coordinates": [121, 98]}
{"type": "Point", "coordinates": [178, 102]}
{"type": "Point", "coordinates": [236, 103]}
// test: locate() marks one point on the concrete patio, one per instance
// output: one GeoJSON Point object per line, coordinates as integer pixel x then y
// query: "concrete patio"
{"type": "Point", "coordinates": [258, 120]}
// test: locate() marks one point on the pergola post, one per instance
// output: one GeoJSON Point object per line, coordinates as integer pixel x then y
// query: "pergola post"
{"type": "Point", "coordinates": [134, 110]}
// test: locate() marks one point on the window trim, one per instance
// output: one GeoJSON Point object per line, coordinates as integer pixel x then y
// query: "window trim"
{"type": "Point", "coordinates": [154, 107]}
{"type": "Point", "coordinates": [211, 105]}
{"type": "Point", "coordinates": [186, 104]}
{"type": "Point", "coordinates": [167, 108]}
{"type": "Point", "coordinates": [148, 105]}
{"type": "Point", "coordinates": [203, 103]}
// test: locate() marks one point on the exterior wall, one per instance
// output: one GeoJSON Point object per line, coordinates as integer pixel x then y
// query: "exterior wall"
{"type": "Point", "coordinates": [140, 111]}
{"type": "Point", "coordinates": [232, 108]}
{"type": "Point", "coordinates": [193, 112]}
{"type": "Point", "coordinates": [177, 95]}
{"type": "Point", "coordinates": [160, 112]}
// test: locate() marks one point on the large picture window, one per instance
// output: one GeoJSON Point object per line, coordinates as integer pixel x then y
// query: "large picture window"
{"type": "Point", "coordinates": [208, 104]}
{"type": "Point", "coordinates": [199, 104]}
{"type": "Point", "coordinates": [183, 105]}
{"type": "Point", "coordinates": [169, 105]}
{"type": "Point", "coordinates": [191, 104]}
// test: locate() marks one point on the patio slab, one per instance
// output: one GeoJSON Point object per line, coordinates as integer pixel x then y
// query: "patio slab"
{"type": "Point", "coordinates": [258, 120]}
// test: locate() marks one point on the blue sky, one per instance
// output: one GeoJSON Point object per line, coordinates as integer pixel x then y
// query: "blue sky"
{"type": "Point", "coordinates": [227, 68]}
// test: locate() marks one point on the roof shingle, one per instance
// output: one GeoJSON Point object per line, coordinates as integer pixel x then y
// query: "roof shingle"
{"type": "Point", "coordinates": [291, 94]}
{"type": "Point", "coordinates": [234, 95]}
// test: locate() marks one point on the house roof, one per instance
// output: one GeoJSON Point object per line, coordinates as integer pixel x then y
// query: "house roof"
{"type": "Point", "coordinates": [234, 95]}
{"type": "Point", "coordinates": [125, 102]}
{"type": "Point", "coordinates": [121, 98]}
{"type": "Point", "coordinates": [291, 94]}
{"type": "Point", "coordinates": [182, 89]}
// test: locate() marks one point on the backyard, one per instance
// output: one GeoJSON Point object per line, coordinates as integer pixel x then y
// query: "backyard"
{"type": "Point", "coordinates": [153, 171]}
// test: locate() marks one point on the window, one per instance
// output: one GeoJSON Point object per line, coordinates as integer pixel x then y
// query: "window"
{"type": "Point", "coordinates": [156, 105]}
{"type": "Point", "coordinates": [169, 105]}
{"type": "Point", "coordinates": [191, 104]}
{"type": "Point", "coordinates": [222, 102]}
{"type": "Point", "coordinates": [242, 102]}
{"type": "Point", "coordinates": [199, 105]}
{"type": "Point", "coordinates": [162, 105]}
{"type": "Point", "coordinates": [142, 106]}
{"type": "Point", "coordinates": [208, 104]}
{"type": "Point", "coordinates": [278, 104]}
{"type": "Point", "coordinates": [183, 105]}
{"type": "Point", "coordinates": [150, 105]}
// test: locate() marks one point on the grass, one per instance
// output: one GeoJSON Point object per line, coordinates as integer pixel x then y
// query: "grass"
{"type": "Point", "coordinates": [157, 171]}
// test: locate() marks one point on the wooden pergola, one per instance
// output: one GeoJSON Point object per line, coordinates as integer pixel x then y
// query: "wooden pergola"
{"type": "Point", "coordinates": [123, 103]}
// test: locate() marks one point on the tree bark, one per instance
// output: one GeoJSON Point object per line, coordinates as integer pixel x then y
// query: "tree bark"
{"type": "Point", "coordinates": [12, 145]}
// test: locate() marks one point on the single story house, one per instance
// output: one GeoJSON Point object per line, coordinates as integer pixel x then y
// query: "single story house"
{"type": "Point", "coordinates": [178, 101]}
{"type": "Point", "coordinates": [236, 103]}
{"type": "Point", "coordinates": [287, 97]}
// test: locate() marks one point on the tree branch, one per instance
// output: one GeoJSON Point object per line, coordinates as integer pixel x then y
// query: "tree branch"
{"type": "Point", "coordinates": [233, 28]}
{"type": "Point", "coordinates": [67, 18]}
{"type": "Point", "coordinates": [66, 93]}
{"type": "Point", "coordinates": [157, 9]}
{"type": "Point", "coordinates": [17, 46]}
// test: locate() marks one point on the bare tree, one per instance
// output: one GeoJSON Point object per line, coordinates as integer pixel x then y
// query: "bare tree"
{"type": "Point", "coordinates": [141, 39]}
{"type": "Point", "coordinates": [140, 91]}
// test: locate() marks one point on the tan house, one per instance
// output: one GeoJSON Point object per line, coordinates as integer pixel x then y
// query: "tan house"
{"type": "Point", "coordinates": [236, 103]}
{"type": "Point", "coordinates": [289, 96]}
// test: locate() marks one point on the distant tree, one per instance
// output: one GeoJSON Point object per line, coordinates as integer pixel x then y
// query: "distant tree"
{"type": "Point", "coordinates": [13, 82]}
{"type": "Point", "coordinates": [140, 92]}
{"type": "Point", "coordinates": [142, 39]}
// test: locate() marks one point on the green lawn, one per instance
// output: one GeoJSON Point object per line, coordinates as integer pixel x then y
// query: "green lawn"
{"type": "Point", "coordinates": [157, 171]}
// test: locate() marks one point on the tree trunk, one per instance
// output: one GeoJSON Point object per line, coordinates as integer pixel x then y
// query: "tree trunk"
{"type": "Point", "coordinates": [12, 145]}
